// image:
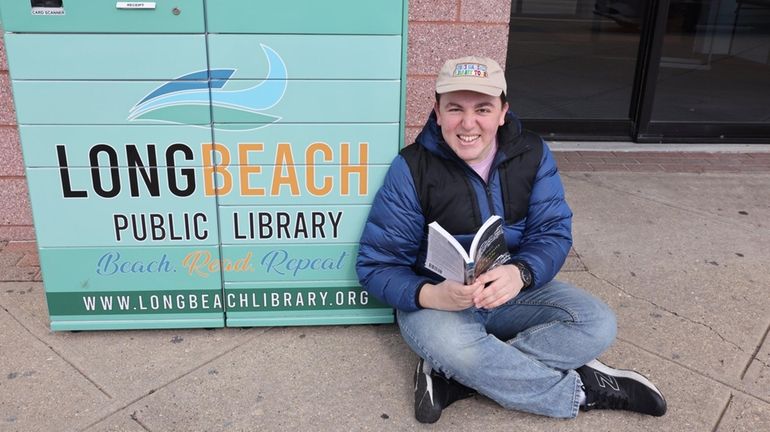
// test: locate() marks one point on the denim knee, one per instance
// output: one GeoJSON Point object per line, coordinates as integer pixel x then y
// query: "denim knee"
{"type": "Point", "coordinates": [448, 340]}
{"type": "Point", "coordinates": [600, 326]}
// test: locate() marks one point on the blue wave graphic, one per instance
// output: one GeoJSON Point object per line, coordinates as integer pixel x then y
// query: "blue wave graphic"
{"type": "Point", "coordinates": [183, 83]}
{"type": "Point", "coordinates": [263, 95]}
{"type": "Point", "coordinates": [181, 92]}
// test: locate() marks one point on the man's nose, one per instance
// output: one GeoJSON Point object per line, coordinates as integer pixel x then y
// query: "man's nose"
{"type": "Point", "coordinates": [469, 121]}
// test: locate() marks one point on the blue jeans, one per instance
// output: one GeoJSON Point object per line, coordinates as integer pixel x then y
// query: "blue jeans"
{"type": "Point", "coordinates": [521, 354]}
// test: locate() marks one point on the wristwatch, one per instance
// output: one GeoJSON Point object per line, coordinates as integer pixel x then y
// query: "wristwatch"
{"type": "Point", "coordinates": [526, 275]}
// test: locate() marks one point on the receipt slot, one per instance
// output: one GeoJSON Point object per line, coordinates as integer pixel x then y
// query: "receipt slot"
{"type": "Point", "coordinates": [205, 163]}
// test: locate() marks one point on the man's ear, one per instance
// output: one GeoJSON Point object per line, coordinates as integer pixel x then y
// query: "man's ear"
{"type": "Point", "coordinates": [504, 112]}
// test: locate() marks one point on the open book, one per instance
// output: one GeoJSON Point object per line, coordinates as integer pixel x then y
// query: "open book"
{"type": "Point", "coordinates": [448, 258]}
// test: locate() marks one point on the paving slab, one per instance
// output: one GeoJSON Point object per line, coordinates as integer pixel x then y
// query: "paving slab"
{"type": "Point", "coordinates": [664, 333]}
{"type": "Point", "coordinates": [27, 298]}
{"type": "Point", "coordinates": [125, 364]}
{"type": "Point", "coordinates": [694, 401]}
{"type": "Point", "coordinates": [360, 378]}
{"type": "Point", "coordinates": [745, 414]}
{"type": "Point", "coordinates": [40, 390]}
{"type": "Point", "coordinates": [742, 199]}
{"type": "Point", "coordinates": [299, 378]}
{"type": "Point", "coordinates": [678, 260]}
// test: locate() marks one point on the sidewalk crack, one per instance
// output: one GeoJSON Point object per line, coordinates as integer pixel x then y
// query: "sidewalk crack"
{"type": "Point", "coordinates": [722, 414]}
{"type": "Point", "coordinates": [58, 354]}
{"type": "Point", "coordinates": [135, 418]}
{"type": "Point", "coordinates": [755, 354]}
{"type": "Point", "coordinates": [672, 312]}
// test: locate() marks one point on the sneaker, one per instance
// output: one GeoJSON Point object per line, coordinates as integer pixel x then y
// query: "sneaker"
{"type": "Point", "coordinates": [608, 388]}
{"type": "Point", "coordinates": [433, 392]}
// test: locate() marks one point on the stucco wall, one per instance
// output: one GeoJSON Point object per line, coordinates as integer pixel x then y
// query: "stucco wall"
{"type": "Point", "coordinates": [438, 30]}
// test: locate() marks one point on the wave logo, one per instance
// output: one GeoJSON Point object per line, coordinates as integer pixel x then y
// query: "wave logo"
{"type": "Point", "coordinates": [185, 100]}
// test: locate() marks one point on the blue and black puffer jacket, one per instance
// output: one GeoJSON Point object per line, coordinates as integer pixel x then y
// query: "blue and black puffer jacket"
{"type": "Point", "coordinates": [428, 182]}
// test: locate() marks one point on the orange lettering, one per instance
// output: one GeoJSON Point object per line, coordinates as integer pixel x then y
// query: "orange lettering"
{"type": "Point", "coordinates": [246, 169]}
{"type": "Point", "coordinates": [346, 169]}
{"type": "Point", "coordinates": [284, 159]}
{"type": "Point", "coordinates": [326, 152]}
{"type": "Point", "coordinates": [210, 171]}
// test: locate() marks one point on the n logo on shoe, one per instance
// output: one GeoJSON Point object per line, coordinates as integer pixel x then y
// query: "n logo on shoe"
{"type": "Point", "coordinates": [605, 380]}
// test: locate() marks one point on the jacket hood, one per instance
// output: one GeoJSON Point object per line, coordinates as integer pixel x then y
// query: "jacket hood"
{"type": "Point", "coordinates": [508, 137]}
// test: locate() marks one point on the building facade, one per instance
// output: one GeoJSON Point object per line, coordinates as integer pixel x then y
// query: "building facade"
{"type": "Point", "coordinates": [640, 71]}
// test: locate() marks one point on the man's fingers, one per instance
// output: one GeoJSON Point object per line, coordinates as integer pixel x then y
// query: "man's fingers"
{"type": "Point", "coordinates": [489, 295]}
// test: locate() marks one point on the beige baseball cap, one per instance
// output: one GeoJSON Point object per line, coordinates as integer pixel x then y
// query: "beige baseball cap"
{"type": "Point", "coordinates": [479, 74]}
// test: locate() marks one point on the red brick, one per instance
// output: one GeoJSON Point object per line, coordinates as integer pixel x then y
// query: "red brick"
{"type": "Point", "coordinates": [431, 44]}
{"type": "Point", "coordinates": [762, 156]}
{"type": "Point", "coordinates": [683, 168]}
{"type": "Point", "coordinates": [410, 134]}
{"type": "Point", "coordinates": [3, 57]}
{"type": "Point", "coordinates": [433, 10]}
{"type": "Point", "coordinates": [18, 274]}
{"type": "Point", "coordinates": [621, 159]}
{"type": "Point", "coordinates": [644, 167]}
{"type": "Point", "coordinates": [420, 96]}
{"type": "Point", "coordinates": [21, 246]}
{"type": "Point", "coordinates": [7, 112]}
{"type": "Point", "coordinates": [575, 167]}
{"type": "Point", "coordinates": [11, 161]}
{"type": "Point", "coordinates": [725, 168]}
{"type": "Point", "coordinates": [29, 260]}
{"type": "Point", "coordinates": [597, 159]}
{"type": "Point", "coordinates": [14, 202]}
{"type": "Point", "coordinates": [702, 162]}
{"type": "Point", "coordinates": [490, 11]}
{"type": "Point", "coordinates": [17, 232]}
{"type": "Point", "coordinates": [656, 155]}
{"type": "Point", "coordinates": [608, 167]}
{"type": "Point", "coordinates": [749, 162]}
{"type": "Point", "coordinates": [596, 154]}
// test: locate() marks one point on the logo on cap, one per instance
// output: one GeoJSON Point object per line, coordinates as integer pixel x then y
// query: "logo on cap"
{"type": "Point", "coordinates": [471, 70]}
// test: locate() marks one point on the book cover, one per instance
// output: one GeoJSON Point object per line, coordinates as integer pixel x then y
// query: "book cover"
{"type": "Point", "coordinates": [448, 258]}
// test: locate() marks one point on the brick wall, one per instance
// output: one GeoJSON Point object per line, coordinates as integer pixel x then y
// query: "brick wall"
{"type": "Point", "coordinates": [438, 30]}
{"type": "Point", "coordinates": [15, 214]}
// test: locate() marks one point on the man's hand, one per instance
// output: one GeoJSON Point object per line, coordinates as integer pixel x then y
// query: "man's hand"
{"type": "Point", "coordinates": [504, 284]}
{"type": "Point", "coordinates": [449, 295]}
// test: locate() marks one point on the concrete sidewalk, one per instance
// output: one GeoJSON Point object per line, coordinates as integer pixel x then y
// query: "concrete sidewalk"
{"type": "Point", "coordinates": [681, 258]}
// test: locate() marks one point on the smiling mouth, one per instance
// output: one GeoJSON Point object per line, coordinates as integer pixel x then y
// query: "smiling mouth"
{"type": "Point", "coordinates": [468, 138]}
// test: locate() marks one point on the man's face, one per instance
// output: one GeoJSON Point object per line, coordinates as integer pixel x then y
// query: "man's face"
{"type": "Point", "coordinates": [469, 122]}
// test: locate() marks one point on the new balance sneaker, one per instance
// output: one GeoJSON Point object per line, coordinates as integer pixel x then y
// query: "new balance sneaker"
{"type": "Point", "coordinates": [609, 388]}
{"type": "Point", "coordinates": [433, 392]}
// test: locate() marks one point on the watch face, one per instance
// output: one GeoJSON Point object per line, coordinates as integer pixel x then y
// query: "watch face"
{"type": "Point", "coordinates": [526, 276]}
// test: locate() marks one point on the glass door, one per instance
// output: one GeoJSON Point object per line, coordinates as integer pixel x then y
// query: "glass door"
{"type": "Point", "coordinates": [712, 77]}
{"type": "Point", "coordinates": [644, 70]}
{"type": "Point", "coordinates": [572, 66]}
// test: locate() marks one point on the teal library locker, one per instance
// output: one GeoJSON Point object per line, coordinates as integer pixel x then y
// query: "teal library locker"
{"type": "Point", "coordinates": [203, 163]}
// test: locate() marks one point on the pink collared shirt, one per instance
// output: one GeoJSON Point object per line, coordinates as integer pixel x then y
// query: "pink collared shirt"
{"type": "Point", "coordinates": [482, 168]}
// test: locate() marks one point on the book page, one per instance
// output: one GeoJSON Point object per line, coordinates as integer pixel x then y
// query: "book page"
{"type": "Point", "coordinates": [445, 256]}
{"type": "Point", "coordinates": [489, 248]}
